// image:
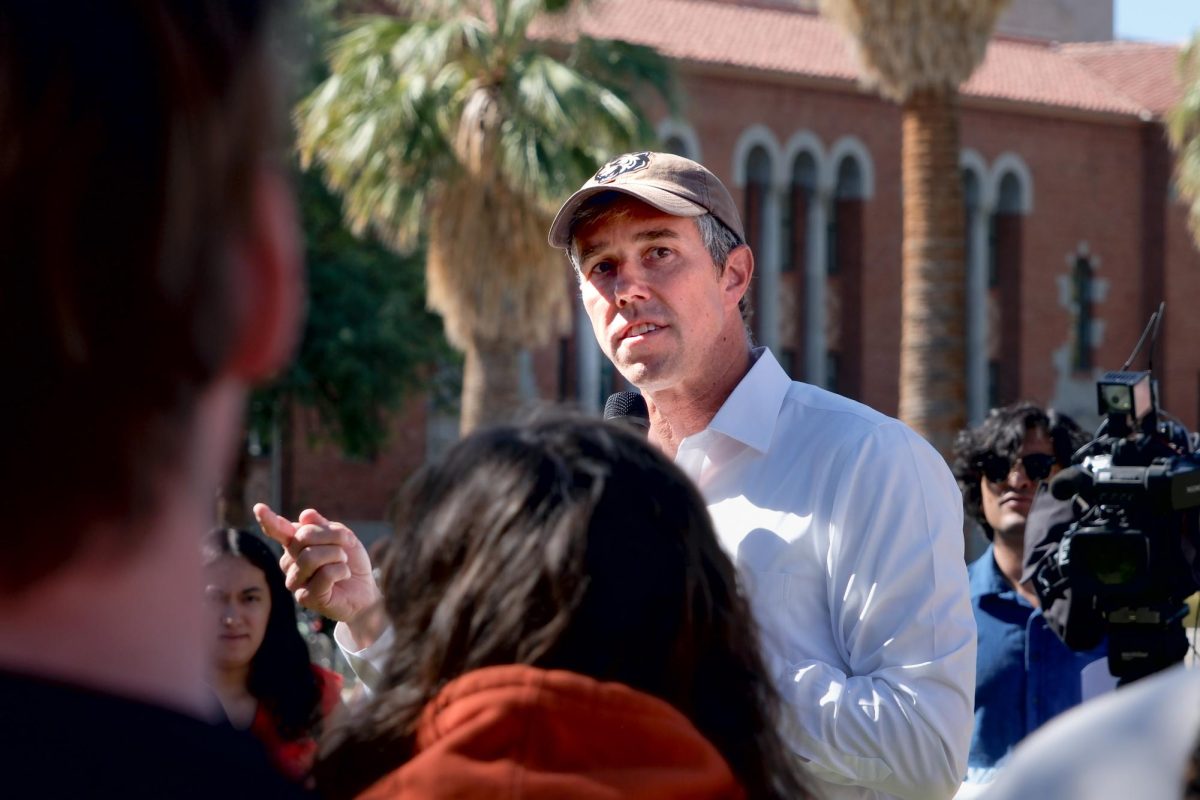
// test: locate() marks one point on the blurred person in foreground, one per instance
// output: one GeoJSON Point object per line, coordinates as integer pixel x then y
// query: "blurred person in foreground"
{"type": "Point", "coordinates": [1025, 675]}
{"type": "Point", "coordinates": [564, 624]}
{"type": "Point", "coordinates": [846, 526]}
{"type": "Point", "coordinates": [261, 670]}
{"type": "Point", "coordinates": [1142, 741]}
{"type": "Point", "coordinates": [151, 275]}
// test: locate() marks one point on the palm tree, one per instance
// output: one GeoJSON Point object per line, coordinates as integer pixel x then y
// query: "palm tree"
{"type": "Point", "coordinates": [452, 125]}
{"type": "Point", "coordinates": [917, 53]}
{"type": "Point", "coordinates": [1183, 129]}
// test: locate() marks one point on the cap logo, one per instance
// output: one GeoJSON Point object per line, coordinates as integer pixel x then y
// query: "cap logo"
{"type": "Point", "coordinates": [630, 162]}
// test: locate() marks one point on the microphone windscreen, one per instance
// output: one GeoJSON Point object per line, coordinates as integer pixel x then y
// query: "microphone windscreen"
{"type": "Point", "coordinates": [629, 406]}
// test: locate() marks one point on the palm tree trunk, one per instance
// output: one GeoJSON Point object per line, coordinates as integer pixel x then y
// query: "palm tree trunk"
{"type": "Point", "coordinates": [932, 340]}
{"type": "Point", "coordinates": [491, 391]}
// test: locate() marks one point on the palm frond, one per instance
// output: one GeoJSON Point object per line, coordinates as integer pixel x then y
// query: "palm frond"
{"type": "Point", "coordinates": [429, 45]}
{"type": "Point", "coordinates": [452, 126]}
{"type": "Point", "coordinates": [580, 110]}
{"type": "Point", "coordinates": [903, 46]}
{"type": "Point", "coordinates": [375, 128]}
{"type": "Point", "coordinates": [626, 68]}
{"type": "Point", "coordinates": [1183, 131]}
{"type": "Point", "coordinates": [513, 18]}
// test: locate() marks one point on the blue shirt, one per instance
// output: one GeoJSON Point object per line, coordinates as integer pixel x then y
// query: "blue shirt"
{"type": "Point", "coordinates": [1024, 674]}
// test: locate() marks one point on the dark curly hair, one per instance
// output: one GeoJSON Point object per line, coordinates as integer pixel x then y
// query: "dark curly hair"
{"type": "Point", "coordinates": [1002, 433]}
{"type": "Point", "coordinates": [566, 544]}
{"type": "Point", "coordinates": [281, 675]}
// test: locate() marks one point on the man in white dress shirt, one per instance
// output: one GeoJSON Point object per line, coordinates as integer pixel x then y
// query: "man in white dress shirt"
{"type": "Point", "coordinates": [845, 524]}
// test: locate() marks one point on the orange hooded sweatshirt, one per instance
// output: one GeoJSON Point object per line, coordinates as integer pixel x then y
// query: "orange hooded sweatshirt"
{"type": "Point", "coordinates": [520, 732]}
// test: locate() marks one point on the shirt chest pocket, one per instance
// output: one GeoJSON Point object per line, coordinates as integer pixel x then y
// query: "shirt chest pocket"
{"type": "Point", "coordinates": [793, 616]}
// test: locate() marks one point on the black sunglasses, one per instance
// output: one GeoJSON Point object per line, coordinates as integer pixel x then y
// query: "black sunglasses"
{"type": "Point", "coordinates": [996, 467]}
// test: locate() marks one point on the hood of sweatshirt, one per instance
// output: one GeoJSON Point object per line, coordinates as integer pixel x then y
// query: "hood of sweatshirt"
{"type": "Point", "coordinates": [520, 732]}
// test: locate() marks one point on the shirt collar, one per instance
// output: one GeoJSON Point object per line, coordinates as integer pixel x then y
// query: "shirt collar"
{"type": "Point", "coordinates": [988, 579]}
{"type": "Point", "coordinates": [750, 412]}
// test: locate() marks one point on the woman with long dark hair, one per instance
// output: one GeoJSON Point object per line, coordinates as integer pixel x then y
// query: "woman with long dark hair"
{"type": "Point", "coordinates": [260, 668]}
{"type": "Point", "coordinates": [566, 625]}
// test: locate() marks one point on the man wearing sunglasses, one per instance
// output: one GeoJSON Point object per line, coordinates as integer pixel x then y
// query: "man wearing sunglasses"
{"type": "Point", "coordinates": [1024, 673]}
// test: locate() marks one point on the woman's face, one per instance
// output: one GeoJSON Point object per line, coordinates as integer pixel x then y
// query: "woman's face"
{"type": "Point", "coordinates": [241, 603]}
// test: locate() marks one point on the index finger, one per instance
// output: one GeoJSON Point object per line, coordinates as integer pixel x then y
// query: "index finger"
{"type": "Point", "coordinates": [275, 526]}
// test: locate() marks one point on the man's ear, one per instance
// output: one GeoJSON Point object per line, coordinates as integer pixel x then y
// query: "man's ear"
{"type": "Point", "coordinates": [739, 269]}
{"type": "Point", "coordinates": [268, 282]}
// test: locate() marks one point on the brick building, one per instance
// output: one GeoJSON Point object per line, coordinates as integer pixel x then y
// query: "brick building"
{"type": "Point", "coordinates": [1074, 235]}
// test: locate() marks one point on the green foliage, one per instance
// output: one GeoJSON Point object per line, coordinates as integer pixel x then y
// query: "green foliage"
{"type": "Point", "coordinates": [462, 125]}
{"type": "Point", "coordinates": [368, 339]}
{"type": "Point", "coordinates": [907, 46]}
{"type": "Point", "coordinates": [384, 123]}
{"type": "Point", "coordinates": [1183, 128]}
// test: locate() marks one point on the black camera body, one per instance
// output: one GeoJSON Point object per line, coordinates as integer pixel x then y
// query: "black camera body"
{"type": "Point", "coordinates": [1125, 564]}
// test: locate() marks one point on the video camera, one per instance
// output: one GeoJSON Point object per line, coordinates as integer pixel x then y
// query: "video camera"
{"type": "Point", "coordinates": [1125, 564]}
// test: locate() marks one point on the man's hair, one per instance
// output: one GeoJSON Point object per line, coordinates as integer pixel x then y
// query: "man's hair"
{"type": "Point", "coordinates": [1002, 433]}
{"type": "Point", "coordinates": [718, 239]}
{"type": "Point", "coordinates": [566, 544]}
{"type": "Point", "coordinates": [130, 135]}
{"type": "Point", "coordinates": [281, 676]}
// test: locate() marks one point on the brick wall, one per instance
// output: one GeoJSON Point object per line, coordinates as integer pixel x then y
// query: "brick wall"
{"type": "Point", "coordinates": [354, 489]}
{"type": "Point", "coordinates": [1089, 179]}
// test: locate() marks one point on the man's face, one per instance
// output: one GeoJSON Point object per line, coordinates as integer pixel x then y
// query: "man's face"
{"type": "Point", "coordinates": [1006, 502]}
{"type": "Point", "coordinates": [657, 304]}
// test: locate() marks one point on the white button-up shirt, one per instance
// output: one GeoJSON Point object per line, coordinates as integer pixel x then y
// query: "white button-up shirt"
{"type": "Point", "coordinates": [847, 531]}
{"type": "Point", "coordinates": [846, 527]}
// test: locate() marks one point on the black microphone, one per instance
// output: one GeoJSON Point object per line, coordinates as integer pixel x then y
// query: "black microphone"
{"type": "Point", "coordinates": [1070, 482]}
{"type": "Point", "coordinates": [629, 407]}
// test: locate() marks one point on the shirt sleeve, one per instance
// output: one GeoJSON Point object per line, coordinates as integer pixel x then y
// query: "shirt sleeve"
{"type": "Point", "coordinates": [369, 662]}
{"type": "Point", "coordinates": [896, 715]}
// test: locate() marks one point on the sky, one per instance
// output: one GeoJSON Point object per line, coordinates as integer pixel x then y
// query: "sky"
{"type": "Point", "coordinates": [1156, 20]}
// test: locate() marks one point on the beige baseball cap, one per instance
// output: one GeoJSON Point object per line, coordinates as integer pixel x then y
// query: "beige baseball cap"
{"type": "Point", "coordinates": [673, 184]}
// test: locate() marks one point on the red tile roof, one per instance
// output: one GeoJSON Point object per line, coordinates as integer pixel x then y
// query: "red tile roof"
{"type": "Point", "coordinates": [1112, 77]}
{"type": "Point", "coordinates": [710, 32]}
{"type": "Point", "coordinates": [1146, 73]}
{"type": "Point", "coordinates": [1040, 74]}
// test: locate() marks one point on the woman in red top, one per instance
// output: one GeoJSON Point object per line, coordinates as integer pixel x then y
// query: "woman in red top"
{"type": "Point", "coordinates": [261, 670]}
{"type": "Point", "coordinates": [566, 625]}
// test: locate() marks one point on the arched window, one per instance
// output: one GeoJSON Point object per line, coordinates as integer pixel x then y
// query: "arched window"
{"type": "Point", "coordinates": [843, 251]}
{"type": "Point", "coordinates": [676, 136]}
{"type": "Point", "coordinates": [800, 194]}
{"type": "Point", "coordinates": [675, 144]}
{"type": "Point", "coordinates": [1004, 246]}
{"type": "Point", "coordinates": [758, 187]}
{"type": "Point", "coordinates": [979, 392]}
{"type": "Point", "coordinates": [972, 202]}
{"type": "Point", "coordinates": [1010, 198]}
{"type": "Point", "coordinates": [847, 189]}
{"type": "Point", "coordinates": [797, 205]}
{"type": "Point", "coordinates": [758, 183]}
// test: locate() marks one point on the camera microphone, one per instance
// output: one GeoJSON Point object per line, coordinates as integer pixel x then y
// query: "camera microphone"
{"type": "Point", "coordinates": [630, 407]}
{"type": "Point", "coordinates": [1070, 482]}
